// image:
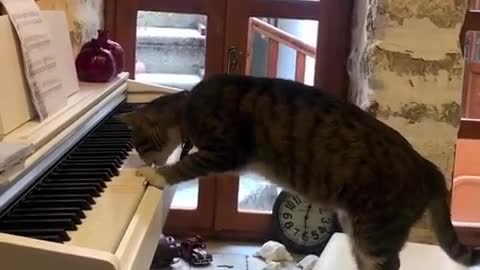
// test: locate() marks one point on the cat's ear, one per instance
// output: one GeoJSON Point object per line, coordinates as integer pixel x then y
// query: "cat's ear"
{"type": "Point", "coordinates": [127, 118]}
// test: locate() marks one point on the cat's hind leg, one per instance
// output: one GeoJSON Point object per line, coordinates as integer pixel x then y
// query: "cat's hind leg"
{"type": "Point", "coordinates": [376, 246]}
{"type": "Point", "coordinates": [367, 261]}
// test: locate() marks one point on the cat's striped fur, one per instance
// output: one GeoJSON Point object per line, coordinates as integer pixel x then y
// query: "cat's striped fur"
{"type": "Point", "coordinates": [323, 148]}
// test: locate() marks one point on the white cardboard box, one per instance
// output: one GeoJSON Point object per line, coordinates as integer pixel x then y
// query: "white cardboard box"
{"type": "Point", "coordinates": [337, 255]}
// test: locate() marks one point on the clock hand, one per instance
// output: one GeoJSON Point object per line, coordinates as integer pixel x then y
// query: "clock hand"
{"type": "Point", "coordinates": [308, 211]}
{"type": "Point", "coordinates": [305, 219]}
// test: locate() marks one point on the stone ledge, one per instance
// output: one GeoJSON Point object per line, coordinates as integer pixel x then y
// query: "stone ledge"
{"type": "Point", "coordinates": [182, 81]}
{"type": "Point", "coordinates": [159, 36]}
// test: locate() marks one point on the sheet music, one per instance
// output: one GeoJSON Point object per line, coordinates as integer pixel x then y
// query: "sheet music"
{"type": "Point", "coordinates": [41, 69]}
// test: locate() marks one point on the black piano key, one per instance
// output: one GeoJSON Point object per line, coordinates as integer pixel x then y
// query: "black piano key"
{"type": "Point", "coordinates": [121, 148]}
{"type": "Point", "coordinates": [86, 197]}
{"type": "Point", "coordinates": [90, 164]}
{"type": "Point", "coordinates": [82, 167]}
{"type": "Point", "coordinates": [97, 154]}
{"type": "Point", "coordinates": [125, 146]}
{"type": "Point", "coordinates": [109, 141]}
{"type": "Point", "coordinates": [33, 203]}
{"type": "Point", "coordinates": [66, 224]}
{"type": "Point", "coordinates": [87, 164]}
{"type": "Point", "coordinates": [106, 145]}
{"type": "Point", "coordinates": [87, 171]}
{"type": "Point", "coordinates": [50, 237]}
{"type": "Point", "coordinates": [115, 131]}
{"type": "Point", "coordinates": [98, 184]}
{"type": "Point", "coordinates": [110, 146]}
{"type": "Point", "coordinates": [39, 233]}
{"type": "Point", "coordinates": [93, 175]}
{"type": "Point", "coordinates": [114, 128]}
{"type": "Point", "coordinates": [72, 216]}
{"type": "Point", "coordinates": [100, 152]}
{"type": "Point", "coordinates": [112, 136]}
{"type": "Point", "coordinates": [50, 210]}
{"type": "Point", "coordinates": [114, 124]}
{"type": "Point", "coordinates": [117, 161]}
{"type": "Point", "coordinates": [90, 190]}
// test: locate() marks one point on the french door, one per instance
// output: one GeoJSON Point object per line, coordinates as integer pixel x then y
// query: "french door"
{"type": "Point", "coordinates": [303, 40]}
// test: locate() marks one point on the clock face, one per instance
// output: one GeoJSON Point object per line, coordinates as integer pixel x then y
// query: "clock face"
{"type": "Point", "coordinates": [303, 223]}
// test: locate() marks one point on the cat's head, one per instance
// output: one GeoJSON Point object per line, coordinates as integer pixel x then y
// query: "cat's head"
{"type": "Point", "coordinates": [156, 127]}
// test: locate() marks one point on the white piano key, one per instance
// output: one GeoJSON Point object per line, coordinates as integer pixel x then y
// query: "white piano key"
{"type": "Point", "coordinates": [105, 224]}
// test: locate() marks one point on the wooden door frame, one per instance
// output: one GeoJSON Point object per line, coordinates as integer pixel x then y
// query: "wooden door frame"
{"type": "Point", "coordinates": [121, 22]}
{"type": "Point", "coordinates": [331, 76]}
{"type": "Point", "coordinates": [469, 128]}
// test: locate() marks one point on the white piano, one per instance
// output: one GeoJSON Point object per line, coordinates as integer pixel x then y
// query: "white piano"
{"type": "Point", "coordinates": [69, 207]}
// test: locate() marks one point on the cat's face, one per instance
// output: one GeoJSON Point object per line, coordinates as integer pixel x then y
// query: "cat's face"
{"type": "Point", "coordinates": [153, 141]}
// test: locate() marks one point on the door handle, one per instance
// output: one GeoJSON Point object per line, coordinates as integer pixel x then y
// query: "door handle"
{"type": "Point", "coordinates": [233, 59]}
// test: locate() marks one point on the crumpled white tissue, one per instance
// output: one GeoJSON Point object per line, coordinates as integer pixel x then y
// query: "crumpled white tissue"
{"type": "Point", "coordinates": [273, 251]}
{"type": "Point", "coordinates": [308, 262]}
{"type": "Point", "coordinates": [273, 266]}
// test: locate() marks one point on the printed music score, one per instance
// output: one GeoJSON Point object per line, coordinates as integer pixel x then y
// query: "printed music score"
{"type": "Point", "coordinates": [41, 69]}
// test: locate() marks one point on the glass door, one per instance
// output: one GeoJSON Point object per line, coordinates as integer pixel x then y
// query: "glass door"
{"type": "Point", "coordinates": [307, 41]}
{"type": "Point", "coordinates": [176, 44]}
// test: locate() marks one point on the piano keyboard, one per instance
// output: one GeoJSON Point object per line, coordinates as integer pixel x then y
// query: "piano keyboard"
{"type": "Point", "coordinates": [55, 205]}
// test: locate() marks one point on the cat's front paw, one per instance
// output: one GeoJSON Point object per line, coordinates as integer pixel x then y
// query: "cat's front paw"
{"type": "Point", "coordinates": [152, 177]}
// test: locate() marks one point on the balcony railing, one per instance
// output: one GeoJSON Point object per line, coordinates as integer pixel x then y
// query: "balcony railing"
{"type": "Point", "coordinates": [275, 37]}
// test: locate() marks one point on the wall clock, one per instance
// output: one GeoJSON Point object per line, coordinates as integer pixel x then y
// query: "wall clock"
{"type": "Point", "coordinates": [303, 227]}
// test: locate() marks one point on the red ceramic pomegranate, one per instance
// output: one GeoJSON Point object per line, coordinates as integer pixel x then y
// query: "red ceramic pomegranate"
{"type": "Point", "coordinates": [95, 64]}
{"type": "Point", "coordinates": [110, 45]}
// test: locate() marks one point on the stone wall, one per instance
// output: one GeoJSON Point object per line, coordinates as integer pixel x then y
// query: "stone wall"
{"type": "Point", "coordinates": [84, 18]}
{"type": "Point", "coordinates": [406, 68]}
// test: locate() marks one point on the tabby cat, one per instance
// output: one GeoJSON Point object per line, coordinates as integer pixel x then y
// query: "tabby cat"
{"type": "Point", "coordinates": [307, 142]}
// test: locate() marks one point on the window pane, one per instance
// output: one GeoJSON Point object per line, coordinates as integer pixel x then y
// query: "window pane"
{"type": "Point", "coordinates": [471, 85]}
{"type": "Point", "coordinates": [256, 194]}
{"type": "Point", "coordinates": [170, 51]}
{"type": "Point", "coordinates": [170, 48]}
{"type": "Point", "coordinates": [296, 39]}
{"type": "Point", "coordinates": [186, 196]}
{"type": "Point", "coordinates": [474, 5]}
{"type": "Point", "coordinates": [275, 44]}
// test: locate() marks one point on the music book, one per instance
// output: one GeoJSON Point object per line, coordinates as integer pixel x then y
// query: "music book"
{"type": "Point", "coordinates": [41, 67]}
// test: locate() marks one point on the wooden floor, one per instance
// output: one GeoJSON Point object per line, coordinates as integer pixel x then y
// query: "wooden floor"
{"type": "Point", "coordinates": [228, 256]}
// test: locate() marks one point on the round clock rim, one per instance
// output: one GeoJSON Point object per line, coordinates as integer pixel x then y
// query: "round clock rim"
{"type": "Point", "coordinates": [281, 236]}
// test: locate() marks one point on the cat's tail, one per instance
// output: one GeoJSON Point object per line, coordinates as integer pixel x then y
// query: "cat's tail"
{"type": "Point", "coordinates": [439, 211]}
